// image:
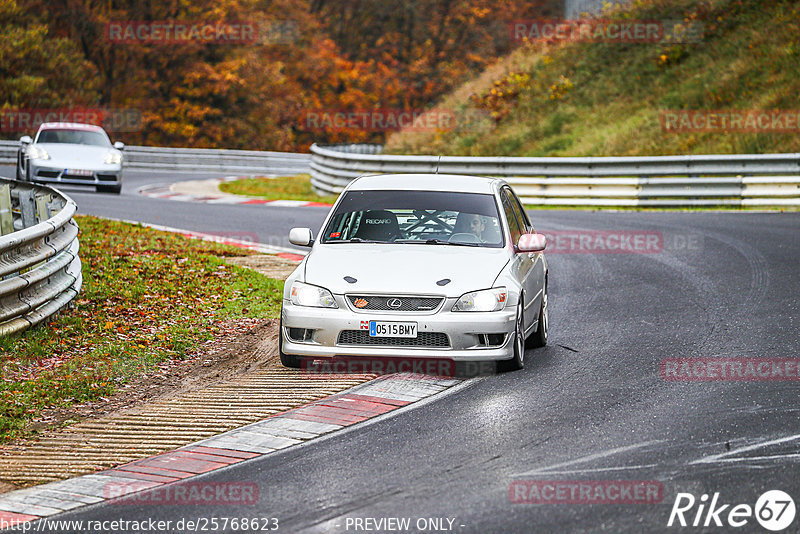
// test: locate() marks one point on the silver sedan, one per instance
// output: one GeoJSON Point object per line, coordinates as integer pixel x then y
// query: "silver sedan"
{"type": "Point", "coordinates": [71, 153]}
{"type": "Point", "coordinates": [421, 266]}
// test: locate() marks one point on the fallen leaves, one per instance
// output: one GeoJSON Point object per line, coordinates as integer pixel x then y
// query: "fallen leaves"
{"type": "Point", "coordinates": [149, 300]}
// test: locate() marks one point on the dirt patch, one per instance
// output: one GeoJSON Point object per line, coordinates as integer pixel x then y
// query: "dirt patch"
{"type": "Point", "coordinates": [218, 359]}
{"type": "Point", "coordinates": [232, 380]}
{"type": "Point", "coordinates": [225, 387]}
{"type": "Point", "coordinates": [221, 358]}
{"type": "Point", "coordinates": [267, 264]}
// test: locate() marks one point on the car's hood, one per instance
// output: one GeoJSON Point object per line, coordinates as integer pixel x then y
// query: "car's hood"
{"type": "Point", "coordinates": [407, 268]}
{"type": "Point", "coordinates": [70, 155]}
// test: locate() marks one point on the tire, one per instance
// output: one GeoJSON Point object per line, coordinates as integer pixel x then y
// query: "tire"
{"type": "Point", "coordinates": [539, 338]}
{"type": "Point", "coordinates": [517, 362]}
{"type": "Point", "coordinates": [113, 189]}
{"type": "Point", "coordinates": [288, 360]}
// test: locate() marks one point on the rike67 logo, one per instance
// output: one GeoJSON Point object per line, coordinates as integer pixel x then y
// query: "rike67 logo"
{"type": "Point", "coordinates": [774, 510]}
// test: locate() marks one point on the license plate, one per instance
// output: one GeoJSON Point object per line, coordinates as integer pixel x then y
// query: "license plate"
{"type": "Point", "coordinates": [78, 172]}
{"type": "Point", "coordinates": [392, 329]}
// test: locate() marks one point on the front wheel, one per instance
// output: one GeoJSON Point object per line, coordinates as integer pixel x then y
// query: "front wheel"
{"type": "Point", "coordinates": [539, 338]}
{"type": "Point", "coordinates": [517, 362]}
{"type": "Point", "coordinates": [288, 360]}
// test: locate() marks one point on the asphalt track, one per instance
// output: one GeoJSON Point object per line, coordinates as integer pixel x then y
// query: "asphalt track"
{"type": "Point", "coordinates": [267, 225]}
{"type": "Point", "coordinates": [591, 406]}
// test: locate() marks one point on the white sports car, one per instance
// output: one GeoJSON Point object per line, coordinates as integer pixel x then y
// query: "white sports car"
{"type": "Point", "coordinates": [71, 153]}
{"type": "Point", "coordinates": [421, 266]}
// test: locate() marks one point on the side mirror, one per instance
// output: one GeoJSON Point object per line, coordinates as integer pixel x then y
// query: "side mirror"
{"type": "Point", "coordinates": [119, 145]}
{"type": "Point", "coordinates": [25, 140]}
{"type": "Point", "coordinates": [301, 237]}
{"type": "Point", "coordinates": [531, 243]}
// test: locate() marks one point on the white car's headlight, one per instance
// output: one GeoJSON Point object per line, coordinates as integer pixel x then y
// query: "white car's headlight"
{"type": "Point", "coordinates": [488, 300]}
{"type": "Point", "coordinates": [37, 152]}
{"type": "Point", "coordinates": [308, 295]}
{"type": "Point", "coordinates": [113, 158]}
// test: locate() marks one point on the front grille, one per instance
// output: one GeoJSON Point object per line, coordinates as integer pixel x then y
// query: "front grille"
{"type": "Point", "coordinates": [406, 304]}
{"type": "Point", "coordinates": [78, 177]}
{"type": "Point", "coordinates": [436, 340]}
{"type": "Point", "coordinates": [107, 177]}
{"type": "Point", "coordinates": [48, 174]}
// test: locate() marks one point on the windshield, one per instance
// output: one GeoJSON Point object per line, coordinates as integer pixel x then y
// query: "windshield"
{"type": "Point", "coordinates": [429, 217]}
{"type": "Point", "coordinates": [76, 137]}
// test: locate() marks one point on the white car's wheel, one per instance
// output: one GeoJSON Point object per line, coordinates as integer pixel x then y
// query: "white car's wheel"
{"type": "Point", "coordinates": [518, 361]}
{"type": "Point", "coordinates": [539, 338]}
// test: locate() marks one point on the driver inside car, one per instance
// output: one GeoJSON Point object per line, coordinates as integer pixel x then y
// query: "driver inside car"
{"type": "Point", "coordinates": [470, 223]}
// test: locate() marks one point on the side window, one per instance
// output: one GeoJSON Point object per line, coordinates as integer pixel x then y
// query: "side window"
{"type": "Point", "coordinates": [511, 217]}
{"type": "Point", "coordinates": [524, 222]}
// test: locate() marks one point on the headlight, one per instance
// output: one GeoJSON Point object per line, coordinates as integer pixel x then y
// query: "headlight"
{"type": "Point", "coordinates": [308, 295]}
{"type": "Point", "coordinates": [37, 152]}
{"type": "Point", "coordinates": [113, 158]}
{"type": "Point", "coordinates": [488, 300]}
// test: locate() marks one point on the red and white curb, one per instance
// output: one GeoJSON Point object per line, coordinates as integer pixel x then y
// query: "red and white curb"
{"type": "Point", "coordinates": [358, 404]}
{"type": "Point", "coordinates": [168, 192]}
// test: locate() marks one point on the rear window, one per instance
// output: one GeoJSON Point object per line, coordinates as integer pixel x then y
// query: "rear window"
{"type": "Point", "coordinates": [415, 217]}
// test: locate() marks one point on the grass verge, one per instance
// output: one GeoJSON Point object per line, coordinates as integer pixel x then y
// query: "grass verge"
{"type": "Point", "coordinates": [281, 188]}
{"type": "Point", "coordinates": [148, 298]}
{"type": "Point", "coordinates": [607, 98]}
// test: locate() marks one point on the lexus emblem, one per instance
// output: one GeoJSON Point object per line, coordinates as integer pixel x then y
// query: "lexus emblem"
{"type": "Point", "coordinates": [394, 303]}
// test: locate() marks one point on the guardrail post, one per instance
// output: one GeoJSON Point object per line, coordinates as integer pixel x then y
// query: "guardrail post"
{"type": "Point", "coordinates": [6, 217]}
{"type": "Point", "coordinates": [27, 208]}
{"type": "Point", "coordinates": [43, 208]}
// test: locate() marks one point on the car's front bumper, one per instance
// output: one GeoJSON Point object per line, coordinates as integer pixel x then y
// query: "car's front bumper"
{"type": "Point", "coordinates": [466, 332]}
{"type": "Point", "coordinates": [101, 175]}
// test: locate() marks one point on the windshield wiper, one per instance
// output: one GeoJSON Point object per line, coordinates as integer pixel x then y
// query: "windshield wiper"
{"type": "Point", "coordinates": [359, 240]}
{"type": "Point", "coordinates": [438, 242]}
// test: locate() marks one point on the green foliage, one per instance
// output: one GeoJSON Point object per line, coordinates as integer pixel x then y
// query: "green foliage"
{"type": "Point", "coordinates": [344, 55]}
{"type": "Point", "coordinates": [148, 299]}
{"type": "Point", "coordinates": [38, 70]}
{"type": "Point", "coordinates": [279, 188]}
{"type": "Point", "coordinates": [605, 98]}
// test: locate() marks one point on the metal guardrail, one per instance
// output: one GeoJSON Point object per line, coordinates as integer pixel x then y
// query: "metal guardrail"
{"type": "Point", "coordinates": [8, 152]}
{"type": "Point", "coordinates": [718, 180]}
{"type": "Point", "coordinates": [196, 159]}
{"type": "Point", "coordinates": [40, 270]}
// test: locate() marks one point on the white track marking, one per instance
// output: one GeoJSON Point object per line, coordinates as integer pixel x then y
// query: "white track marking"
{"type": "Point", "coordinates": [589, 458]}
{"type": "Point", "coordinates": [721, 456]}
